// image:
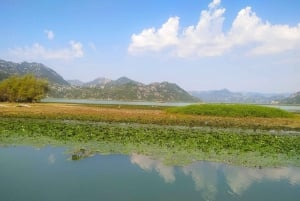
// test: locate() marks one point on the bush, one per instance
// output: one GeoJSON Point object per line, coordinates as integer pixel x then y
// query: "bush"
{"type": "Point", "coordinates": [25, 88]}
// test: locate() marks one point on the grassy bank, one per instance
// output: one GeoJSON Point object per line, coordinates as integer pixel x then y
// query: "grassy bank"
{"type": "Point", "coordinates": [174, 138]}
{"type": "Point", "coordinates": [232, 110]}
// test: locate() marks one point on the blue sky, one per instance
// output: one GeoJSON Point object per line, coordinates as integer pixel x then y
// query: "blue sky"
{"type": "Point", "coordinates": [242, 45]}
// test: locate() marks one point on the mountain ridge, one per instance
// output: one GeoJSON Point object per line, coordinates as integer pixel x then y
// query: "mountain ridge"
{"type": "Point", "coordinates": [125, 89]}
{"type": "Point", "coordinates": [122, 88]}
{"type": "Point", "coordinates": [8, 68]}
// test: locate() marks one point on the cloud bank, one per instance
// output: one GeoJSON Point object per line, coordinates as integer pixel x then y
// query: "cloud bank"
{"type": "Point", "coordinates": [37, 51]}
{"type": "Point", "coordinates": [207, 38]}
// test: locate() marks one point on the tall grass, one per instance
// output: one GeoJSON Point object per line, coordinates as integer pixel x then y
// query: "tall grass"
{"type": "Point", "coordinates": [231, 110]}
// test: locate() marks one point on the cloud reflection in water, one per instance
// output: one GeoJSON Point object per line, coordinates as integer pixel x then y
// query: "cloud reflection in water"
{"type": "Point", "coordinates": [51, 159]}
{"type": "Point", "coordinates": [240, 179]}
{"type": "Point", "coordinates": [148, 164]}
{"type": "Point", "coordinates": [209, 178]}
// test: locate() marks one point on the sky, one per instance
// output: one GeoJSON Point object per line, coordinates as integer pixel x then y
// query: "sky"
{"type": "Point", "coordinates": [241, 45]}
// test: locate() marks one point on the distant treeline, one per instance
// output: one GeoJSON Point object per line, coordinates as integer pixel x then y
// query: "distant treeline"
{"type": "Point", "coordinates": [25, 88]}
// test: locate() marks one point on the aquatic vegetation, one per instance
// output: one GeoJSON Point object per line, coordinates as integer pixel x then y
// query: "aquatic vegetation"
{"type": "Point", "coordinates": [81, 154]}
{"type": "Point", "coordinates": [176, 144]}
{"type": "Point", "coordinates": [231, 110]}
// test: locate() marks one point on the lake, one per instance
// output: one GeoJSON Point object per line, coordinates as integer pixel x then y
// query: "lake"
{"type": "Point", "coordinates": [290, 108]}
{"type": "Point", "coordinates": [111, 102]}
{"type": "Point", "coordinates": [48, 174]}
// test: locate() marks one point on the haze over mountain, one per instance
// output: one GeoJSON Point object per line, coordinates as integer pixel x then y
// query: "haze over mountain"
{"type": "Point", "coordinates": [226, 96]}
{"type": "Point", "coordinates": [292, 99]}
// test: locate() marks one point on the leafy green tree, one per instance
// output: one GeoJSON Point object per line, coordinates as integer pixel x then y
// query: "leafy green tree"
{"type": "Point", "coordinates": [25, 88]}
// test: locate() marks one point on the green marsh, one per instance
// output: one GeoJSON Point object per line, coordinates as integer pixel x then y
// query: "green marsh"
{"type": "Point", "coordinates": [172, 144]}
{"type": "Point", "coordinates": [232, 110]}
{"type": "Point", "coordinates": [174, 138]}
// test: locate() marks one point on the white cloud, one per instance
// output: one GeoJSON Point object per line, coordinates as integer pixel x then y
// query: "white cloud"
{"type": "Point", "coordinates": [207, 37]}
{"type": "Point", "coordinates": [266, 38]}
{"type": "Point", "coordinates": [37, 51]}
{"type": "Point", "coordinates": [214, 4]}
{"type": "Point", "coordinates": [50, 34]}
{"type": "Point", "coordinates": [156, 40]}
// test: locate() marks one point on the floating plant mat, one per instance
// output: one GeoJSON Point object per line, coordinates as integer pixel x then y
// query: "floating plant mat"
{"type": "Point", "coordinates": [171, 144]}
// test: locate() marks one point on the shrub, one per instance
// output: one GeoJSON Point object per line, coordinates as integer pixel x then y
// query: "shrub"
{"type": "Point", "coordinates": [25, 88]}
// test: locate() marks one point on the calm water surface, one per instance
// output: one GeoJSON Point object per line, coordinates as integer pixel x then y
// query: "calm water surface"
{"type": "Point", "coordinates": [111, 102]}
{"type": "Point", "coordinates": [290, 108]}
{"type": "Point", "coordinates": [29, 174]}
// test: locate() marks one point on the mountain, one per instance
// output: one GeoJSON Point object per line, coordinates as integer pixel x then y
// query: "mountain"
{"type": "Point", "coordinates": [8, 69]}
{"type": "Point", "coordinates": [125, 80]}
{"type": "Point", "coordinates": [75, 83]}
{"type": "Point", "coordinates": [223, 95]}
{"type": "Point", "coordinates": [293, 99]}
{"type": "Point", "coordinates": [100, 88]}
{"type": "Point", "coordinates": [123, 89]}
{"type": "Point", "coordinates": [226, 96]}
{"type": "Point", "coordinates": [98, 82]}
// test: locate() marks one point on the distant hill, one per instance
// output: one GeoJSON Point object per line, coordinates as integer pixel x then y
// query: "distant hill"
{"type": "Point", "coordinates": [75, 82]}
{"type": "Point", "coordinates": [293, 99]}
{"type": "Point", "coordinates": [8, 69]}
{"type": "Point", "coordinates": [98, 82]}
{"type": "Point", "coordinates": [100, 88]}
{"type": "Point", "coordinates": [226, 96]}
{"type": "Point", "coordinates": [124, 89]}
{"type": "Point", "coordinates": [125, 80]}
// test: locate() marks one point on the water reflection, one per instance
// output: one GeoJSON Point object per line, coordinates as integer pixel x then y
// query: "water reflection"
{"type": "Point", "coordinates": [213, 178]}
{"type": "Point", "coordinates": [205, 178]}
{"type": "Point", "coordinates": [239, 179]}
{"type": "Point", "coordinates": [51, 159]}
{"type": "Point", "coordinates": [148, 164]}
{"type": "Point", "coordinates": [48, 174]}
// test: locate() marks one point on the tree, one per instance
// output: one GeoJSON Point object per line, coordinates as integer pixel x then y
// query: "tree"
{"type": "Point", "coordinates": [25, 88]}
